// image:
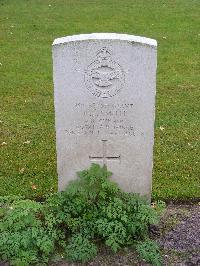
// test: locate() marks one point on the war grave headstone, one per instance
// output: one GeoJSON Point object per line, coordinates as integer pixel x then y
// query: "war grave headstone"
{"type": "Point", "coordinates": [105, 85]}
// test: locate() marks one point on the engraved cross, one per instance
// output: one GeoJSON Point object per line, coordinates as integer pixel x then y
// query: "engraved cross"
{"type": "Point", "coordinates": [104, 157]}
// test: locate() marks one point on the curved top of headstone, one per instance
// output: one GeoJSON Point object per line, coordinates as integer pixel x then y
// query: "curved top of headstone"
{"type": "Point", "coordinates": [106, 36]}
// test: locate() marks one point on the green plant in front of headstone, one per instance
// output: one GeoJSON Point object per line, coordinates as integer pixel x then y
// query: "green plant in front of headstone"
{"type": "Point", "coordinates": [80, 248]}
{"type": "Point", "coordinates": [93, 209]}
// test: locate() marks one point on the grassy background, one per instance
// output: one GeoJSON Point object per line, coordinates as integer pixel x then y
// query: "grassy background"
{"type": "Point", "coordinates": [27, 141]}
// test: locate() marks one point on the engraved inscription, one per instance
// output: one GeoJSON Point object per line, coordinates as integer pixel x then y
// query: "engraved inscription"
{"type": "Point", "coordinates": [104, 77]}
{"type": "Point", "coordinates": [104, 158]}
{"type": "Point", "coordinates": [101, 118]}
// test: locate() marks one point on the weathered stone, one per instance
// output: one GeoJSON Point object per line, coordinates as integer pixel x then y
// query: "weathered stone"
{"type": "Point", "coordinates": [104, 104]}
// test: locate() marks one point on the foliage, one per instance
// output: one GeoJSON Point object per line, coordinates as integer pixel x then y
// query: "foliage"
{"type": "Point", "coordinates": [80, 249]}
{"type": "Point", "coordinates": [92, 209]}
{"type": "Point", "coordinates": [149, 251]}
{"type": "Point", "coordinates": [24, 238]}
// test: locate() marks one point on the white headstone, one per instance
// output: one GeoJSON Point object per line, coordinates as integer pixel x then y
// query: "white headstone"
{"type": "Point", "coordinates": [105, 86]}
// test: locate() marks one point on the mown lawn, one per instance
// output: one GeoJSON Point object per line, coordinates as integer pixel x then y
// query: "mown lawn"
{"type": "Point", "coordinates": [27, 141]}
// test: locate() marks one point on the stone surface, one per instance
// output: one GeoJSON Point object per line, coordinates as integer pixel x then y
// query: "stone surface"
{"type": "Point", "coordinates": [104, 107]}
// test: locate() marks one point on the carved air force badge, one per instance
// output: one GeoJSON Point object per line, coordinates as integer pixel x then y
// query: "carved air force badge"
{"type": "Point", "coordinates": [104, 77]}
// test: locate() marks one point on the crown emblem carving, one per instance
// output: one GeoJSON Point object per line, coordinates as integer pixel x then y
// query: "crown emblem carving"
{"type": "Point", "coordinates": [104, 77]}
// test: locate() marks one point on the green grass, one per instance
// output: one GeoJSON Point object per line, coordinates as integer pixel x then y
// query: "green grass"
{"type": "Point", "coordinates": [27, 30]}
